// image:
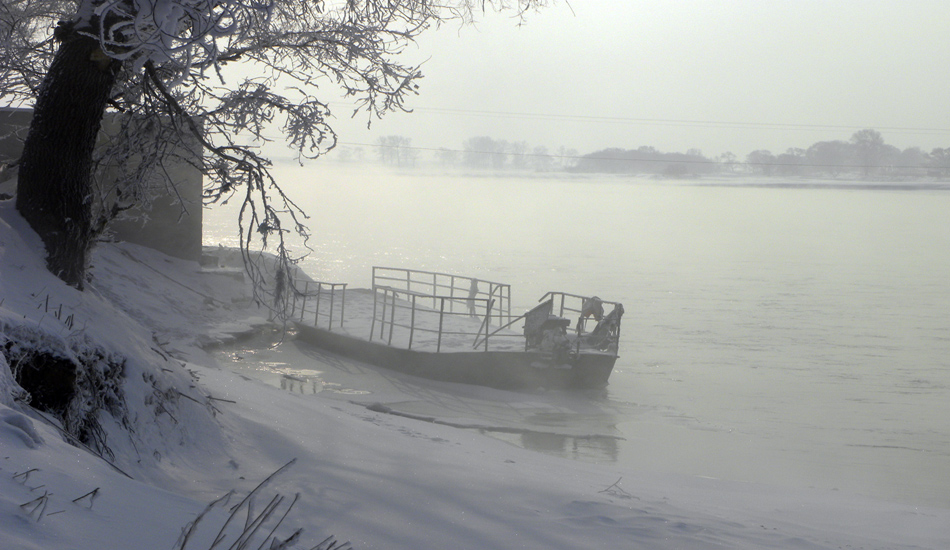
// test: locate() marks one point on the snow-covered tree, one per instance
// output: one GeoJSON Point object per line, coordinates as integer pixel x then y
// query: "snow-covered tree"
{"type": "Point", "coordinates": [172, 71]}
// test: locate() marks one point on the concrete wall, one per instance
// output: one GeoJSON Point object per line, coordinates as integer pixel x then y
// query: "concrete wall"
{"type": "Point", "coordinates": [172, 226]}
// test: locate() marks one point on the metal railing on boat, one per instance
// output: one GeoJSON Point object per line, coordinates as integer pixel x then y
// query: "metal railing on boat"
{"type": "Point", "coordinates": [417, 303]}
{"type": "Point", "coordinates": [457, 290]}
{"type": "Point", "coordinates": [418, 319]}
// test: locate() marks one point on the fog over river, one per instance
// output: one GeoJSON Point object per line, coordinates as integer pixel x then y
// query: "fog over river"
{"type": "Point", "coordinates": [786, 335]}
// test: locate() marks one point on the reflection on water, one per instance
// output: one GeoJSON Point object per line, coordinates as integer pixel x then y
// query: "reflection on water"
{"type": "Point", "coordinates": [301, 384]}
{"type": "Point", "coordinates": [264, 357]}
{"type": "Point", "coordinates": [311, 383]}
{"type": "Point", "coordinates": [595, 448]}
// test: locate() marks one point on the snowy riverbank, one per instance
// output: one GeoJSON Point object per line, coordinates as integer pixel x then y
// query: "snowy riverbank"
{"type": "Point", "coordinates": [193, 430]}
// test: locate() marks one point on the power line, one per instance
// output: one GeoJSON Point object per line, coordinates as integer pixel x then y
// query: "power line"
{"type": "Point", "coordinates": [674, 122]}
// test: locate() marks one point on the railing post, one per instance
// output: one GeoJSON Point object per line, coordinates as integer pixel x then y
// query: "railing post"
{"type": "Point", "coordinates": [303, 306]}
{"type": "Point", "coordinates": [487, 323]}
{"type": "Point", "coordinates": [392, 318]}
{"type": "Point", "coordinates": [491, 302]}
{"type": "Point", "coordinates": [491, 292]}
{"type": "Point", "coordinates": [343, 305]}
{"type": "Point", "coordinates": [451, 293]}
{"type": "Point", "coordinates": [382, 318]}
{"type": "Point", "coordinates": [412, 321]}
{"type": "Point", "coordinates": [332, 299]}
{"type": "Point", "coordinates": [498, 288]}
{"type": "Point", "coordinates": [438, 345]}
{"type": "Point", "coordinates": [372, 325]}
{"type": "Point", "coordinates": [316, 314]}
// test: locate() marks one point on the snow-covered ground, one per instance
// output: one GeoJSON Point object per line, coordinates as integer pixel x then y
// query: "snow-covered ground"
{"type": "Point", "coordinates": [192, 431]}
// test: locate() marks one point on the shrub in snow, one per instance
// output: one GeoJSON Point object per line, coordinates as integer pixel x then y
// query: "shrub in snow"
{"type": "Point", "coordinates": [72, 380]}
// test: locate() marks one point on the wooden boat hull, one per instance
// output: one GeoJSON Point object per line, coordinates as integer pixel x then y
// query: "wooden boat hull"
{"type": "Point", "coordinates": [496, 369]}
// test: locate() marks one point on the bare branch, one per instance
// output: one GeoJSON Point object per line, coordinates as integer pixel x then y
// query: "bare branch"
{"type": "Point", "coordinates": [172, 94]}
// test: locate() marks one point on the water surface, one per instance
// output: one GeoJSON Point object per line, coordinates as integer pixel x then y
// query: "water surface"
{"type": "Point", "coordinates": [788, 335]}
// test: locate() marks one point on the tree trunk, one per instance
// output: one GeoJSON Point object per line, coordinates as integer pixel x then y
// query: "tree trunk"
{"type": "Point", "coordinates": [54, 190]}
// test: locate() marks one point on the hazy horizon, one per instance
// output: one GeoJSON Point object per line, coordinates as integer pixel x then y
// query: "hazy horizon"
{"type": "Point", "coordinates": [725, 76]}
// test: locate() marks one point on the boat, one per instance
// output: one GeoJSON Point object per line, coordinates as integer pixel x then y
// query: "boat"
{"type": "Point", "coordinates": [461, 329]}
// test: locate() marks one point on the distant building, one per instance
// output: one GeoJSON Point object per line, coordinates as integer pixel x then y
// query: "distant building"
{"type": "Point", "coordinates": [165, 227]}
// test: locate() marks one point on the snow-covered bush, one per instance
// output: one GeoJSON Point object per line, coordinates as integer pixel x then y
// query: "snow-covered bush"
{"type": "Point", "coordinates": [91, 365]}
{"type": "Point", "coordinates": [75, 381]}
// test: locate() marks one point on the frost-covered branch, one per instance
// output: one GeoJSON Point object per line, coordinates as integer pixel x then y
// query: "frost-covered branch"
{"type": "Point", "coordinates": [26, 46]}
{"type": "Point", "coordinates": [181, 81]}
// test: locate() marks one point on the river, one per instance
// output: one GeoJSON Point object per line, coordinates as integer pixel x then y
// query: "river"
{"type": "Point", "coordinates": [794, 335]}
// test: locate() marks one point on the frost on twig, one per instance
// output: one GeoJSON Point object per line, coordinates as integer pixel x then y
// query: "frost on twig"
{"type": "Point", "coordinates": [616, 491]}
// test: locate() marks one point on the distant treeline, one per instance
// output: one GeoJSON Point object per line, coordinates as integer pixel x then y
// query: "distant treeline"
{"type": "Point", "coordinates": [865, 154]}
{"type": "Point", "coordinates": [646, 160]}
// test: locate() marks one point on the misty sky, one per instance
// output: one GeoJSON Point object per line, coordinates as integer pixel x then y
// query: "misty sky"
{"type": "Point", "coordinates": [714, 75]}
